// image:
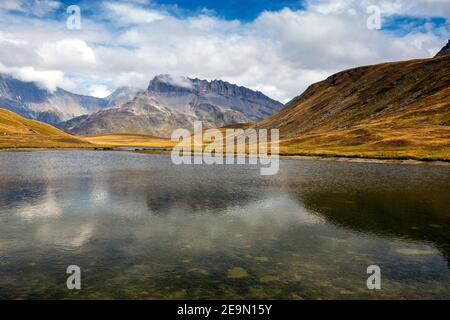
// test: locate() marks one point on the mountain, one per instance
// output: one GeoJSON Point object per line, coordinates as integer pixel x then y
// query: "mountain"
{"type": "Point", "coordinates": [19, 132]}
{"type": "Point", "coordinates": [33, 102]}
{"type": "Point", "coordinates": [176, 102]}
{"type": "Point", "coordinates": [389, 110]}
{"type": "Point", "coordinates": [198, 97]}
{"type": "Point", "coordinates": [145, 120]}
{"type": "Point", "coordinates": [444, 51]}
{"type": "Point", "coordinates": [121, 96]}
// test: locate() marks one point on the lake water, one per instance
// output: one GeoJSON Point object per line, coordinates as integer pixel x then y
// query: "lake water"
{"type": "Point", "coordinates": [140, 227]}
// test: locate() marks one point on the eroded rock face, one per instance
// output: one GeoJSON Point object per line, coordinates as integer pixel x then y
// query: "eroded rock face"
{"type": "Point", "coordinates": [176, 102]}
{"type": "Point", "coordinates": [444, 51]}
{"type": "Point", "coordinates": [186, 95]}
{"type": "Point", "coordinates": [121, 96]}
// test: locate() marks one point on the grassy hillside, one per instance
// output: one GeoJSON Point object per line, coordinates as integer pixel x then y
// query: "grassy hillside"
{"type": "Point", "coordinates": [19, 132]}
{"type": "Point", "coordinates": [141, 140]}
{"type": "Point", "coordinates": [390, 110]}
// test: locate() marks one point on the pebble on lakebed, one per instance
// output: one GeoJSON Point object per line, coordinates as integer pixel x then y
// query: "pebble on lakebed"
{"type": "Point", "coordinates": [237, 273]}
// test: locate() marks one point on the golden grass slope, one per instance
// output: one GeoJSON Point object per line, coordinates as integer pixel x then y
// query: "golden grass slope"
{"type": "Point", "coordinates": [123, 140]}
{"type": "Point", "coordinates": [19, 132]}
{"type": "Point", "coordinates": [390, 110]}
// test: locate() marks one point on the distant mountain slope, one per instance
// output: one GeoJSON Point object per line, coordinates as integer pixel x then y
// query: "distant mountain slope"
{"type": "Point", "coordinates": [194, 96]}
{"type": "Point", "coordinates": [147, 120]}
{"type": "Point", "coordinates": [175, 102]}
{"type": "Point", "coordinates": [19, 132]}
{"type": "Point", "coordinates": [33, 102]}
{"type": "Point", "coordinates": [399, 109]}
{"type": "Point", "coordinates": [120, 96]}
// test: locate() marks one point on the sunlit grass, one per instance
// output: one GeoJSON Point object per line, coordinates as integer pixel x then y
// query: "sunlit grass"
{"type": "Point", "coordinates": [19, 132]}
{"type": "Point", "coordinates": [141, 140]}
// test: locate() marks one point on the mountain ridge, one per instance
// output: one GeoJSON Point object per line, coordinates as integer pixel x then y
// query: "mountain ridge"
{"type": "Point", "coordinates": [28, 99]}
{"type": "Point", "coordinates": [176, 102]}
{"type": "Point", "coordinates": [34, 102]}
{"type": "Point", "coordinates": [396, 109]}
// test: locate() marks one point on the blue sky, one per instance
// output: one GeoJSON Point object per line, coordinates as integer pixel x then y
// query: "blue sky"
{"type": "Point", "coordinates": [401, 25]}
{"type": "Point", "coordinates": [235, 9]}
{"type": "Point", "coordinates": [248, 10]}
{"type": "Point", "coordinates": [243, 10]}
{"type": "Point", "coordinates": [277, 47]}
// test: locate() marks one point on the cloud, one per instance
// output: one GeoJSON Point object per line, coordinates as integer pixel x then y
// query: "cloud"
{"type": "Point", "coordinates": [37, 8]}
{"type": "Point", "coordinates": [126, 14]}
{"type": "Point", "coordinates": [66, 53]}
{"type": "Point", "coordinates": [48, 79]}
{"type": "Point", "coordinates": [279, 53]}
{"type": "Point", "coordinates": [388, 7]}
{"type": "Point", "coordinates": [11, 5]}
{"type": "Point", "coordinates": [43, 7]}
{"type": "Point", "coordinates": [10, 40]}
{"type": "Point", "coordinates": [99, 91]}
{"type": "Point", "coordinates": [174, 80]}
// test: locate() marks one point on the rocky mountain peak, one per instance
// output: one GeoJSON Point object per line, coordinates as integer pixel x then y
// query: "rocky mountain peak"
{"type": "Point", "coordinates": [168, 83]}
{"type": "Point", "coordinates": [122, 95]}
{"type": "Point", "coordinates": [165, 83]}
{"type": "Point", "coordinates": [172, 102]}
{"type": "Point", "coordinates": [444, 51]}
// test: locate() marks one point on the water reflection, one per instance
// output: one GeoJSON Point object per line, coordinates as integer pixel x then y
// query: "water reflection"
{"type": "Point", "coordinates": [142, 228]}
{"type": "Point", "coordinates": [25, 192]}
{"type": "Point", "coordinates": [411, 205]}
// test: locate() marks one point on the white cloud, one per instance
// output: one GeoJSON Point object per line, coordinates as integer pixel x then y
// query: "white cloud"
{"type": "Point", "coordinates": [47, 79]}
{"type": "Point", "coordinates": [280, 53]}
{"type": "Point", "coordinates": [128, 14]}
{"type": "Point", "coordinates": [31, 7]}
{"type": "Point", "coordinates": [71, 53]}
{"type": "Point", "coordinates": [42, 7]}
{"type": "Point", "coordinates": [9, 39]}
{"type": "Point", "coordinates": [421, 8]}
{"type": "Point", "coordinates": [175, 80]}
{"type": "Point", "coordinates": [99, 91]}
{"type": "Point", "coordinates": [11, 5]}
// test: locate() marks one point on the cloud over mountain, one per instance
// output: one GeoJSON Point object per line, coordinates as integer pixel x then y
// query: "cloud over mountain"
{"type": "Point", "coordinates": [279, 53]}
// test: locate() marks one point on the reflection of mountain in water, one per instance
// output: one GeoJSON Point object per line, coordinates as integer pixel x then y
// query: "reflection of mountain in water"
{"type": "Point", "coordinates": [418, 211]}
{"type": "Point", "coordinates": [15, 194]}
{"type": "Point", "coordinates": [163, 193]}
{"type": "Point", "coordinates": [196, 200]}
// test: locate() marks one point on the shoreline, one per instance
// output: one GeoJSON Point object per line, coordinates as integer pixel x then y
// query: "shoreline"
{"type": "Point", "coordinates": [335, 158]}
{"type": "Point", "coordinates": [369, 160]}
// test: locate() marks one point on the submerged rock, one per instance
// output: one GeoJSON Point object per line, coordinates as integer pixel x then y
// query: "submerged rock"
{"type": "Point", "coordinates": [237, 273]}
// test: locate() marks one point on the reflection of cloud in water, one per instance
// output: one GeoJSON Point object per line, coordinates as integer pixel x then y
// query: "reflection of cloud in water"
{"type": "Point", "coordinates": [65, 235]}
{"type": "Point", "coordinates": [140, 217]}
{"type": "Point", "coordinates": [280, 211]}
{"type": "Point", "coordinates": [99, 191]}
{"type": "Point", "coordinates": [256, 221]}
{"type": "Point", "coordinates": [47, 207]}
{"type": "Point", "coordinates": [85, 233]}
